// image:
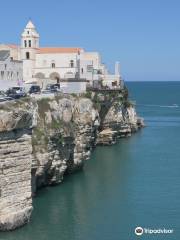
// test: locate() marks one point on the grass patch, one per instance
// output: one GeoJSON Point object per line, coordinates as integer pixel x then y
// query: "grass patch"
{"type": "Point", "coordinates": [39, 137]}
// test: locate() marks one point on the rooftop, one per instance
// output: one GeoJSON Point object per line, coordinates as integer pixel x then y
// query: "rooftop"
{"type": "Point", "coordinates": [12, 46]}
{"type": "Point", "coordinates": [45, 50]}
{"type": "Point", "coordinates": [4, 54]}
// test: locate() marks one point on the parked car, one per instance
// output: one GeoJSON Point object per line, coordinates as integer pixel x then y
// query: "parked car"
{"type": "Point", "coordinates": [57, 85]}
{"type": "Point", "coordinates": [34, 89]}
{"type": "Point", "coordinates": [53, 87]}
{"type": "Point", "coordinates": [16, 92]}
{"type": "Point", "coordinates": [4, 97]}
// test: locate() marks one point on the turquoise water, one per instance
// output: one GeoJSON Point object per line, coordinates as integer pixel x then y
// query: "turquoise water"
{"type": "Point", "coordinates": [133, 183]}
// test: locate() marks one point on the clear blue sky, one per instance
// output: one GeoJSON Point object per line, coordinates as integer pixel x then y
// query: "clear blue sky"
{"type": "Point", "coordinates": [144, 35]}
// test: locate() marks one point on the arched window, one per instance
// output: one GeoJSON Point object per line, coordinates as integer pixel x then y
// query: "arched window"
{"type": "Point", "coordinates": [53, 65]}
{"type": "Point", "coordinates": [27, 55]}
{"type": "Point", "coordinates": [71, 63]}
{"type": "Point", "coordinates": [25, 43]}
{"type": "Point", "coordinates": [29, 43]}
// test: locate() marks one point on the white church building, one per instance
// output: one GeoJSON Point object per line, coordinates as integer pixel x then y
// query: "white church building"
{"type": "Point", "coordinates": [73, 68]}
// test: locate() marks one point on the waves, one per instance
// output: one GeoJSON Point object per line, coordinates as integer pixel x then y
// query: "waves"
{"type": "Point", "coordinates": [160, 115]}
{"type": "Point", "coordinates": [160, 106]}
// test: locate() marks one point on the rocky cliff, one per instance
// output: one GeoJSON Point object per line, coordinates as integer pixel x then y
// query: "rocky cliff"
{"type": "Point", "coordinates": [15, 168]}
{"type": "Point", "coordinates": [42, 140]}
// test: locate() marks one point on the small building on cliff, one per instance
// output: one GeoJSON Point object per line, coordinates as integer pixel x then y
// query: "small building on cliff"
{"type": "Point", "coordinates": [10, 70]}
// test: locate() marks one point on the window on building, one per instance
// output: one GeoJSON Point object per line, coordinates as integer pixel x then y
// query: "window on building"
{"type": "Point", "coordinates": [5, 66]}
{"type": "Point", "coordinates": [71, 63]}
{"type": "Point", "coordinates": [2, 74]}
{"type": "Point", "coordinates": [27, 32]}
{"type": "Point", "coordinates": [89, 68]}
{"type": "Point", "coordinates": [29, 43]}
{"type": "Point", "coordinates": [82, 70]}
{"type": "Point", "coordinates": [27, 55]}
{"type": "Point", "coordinates": [25, 43]}
{"type": "Point", "coordinates": [53, 65]}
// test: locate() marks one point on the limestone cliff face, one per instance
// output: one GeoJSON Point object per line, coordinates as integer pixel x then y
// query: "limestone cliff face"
{"type": "Point", "coordinates": [118, 119]}
{"type": "Point", "coordinates": [63, 138]}
{"type": "Point", "coordinates": [42, 140]}
{"type": "Point", "coordinates": [15, 169]}
{"type": "Point", "coordinates": [122, 120]}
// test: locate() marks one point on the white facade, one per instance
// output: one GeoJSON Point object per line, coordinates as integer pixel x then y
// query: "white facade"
{"type": "Point", "coordinates": [14, 50]}
{"type": "Point", "coordinates": [93, 70]}
{"type": "Point", "coordinates": [54, 65]}
{"type": "Point", "coordinates": [10, 70]}
{"type": "Point", "coordinates": [44, 65]}
{"type": "Point", "coordinates": [90, 66]}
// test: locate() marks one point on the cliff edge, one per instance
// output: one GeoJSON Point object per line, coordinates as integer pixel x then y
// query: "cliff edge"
{"type": "Point", "coordinates": [43, 139]}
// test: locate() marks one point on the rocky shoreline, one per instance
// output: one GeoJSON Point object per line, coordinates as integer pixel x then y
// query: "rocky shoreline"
{"type": "Point", "coordinates": [41, 140]}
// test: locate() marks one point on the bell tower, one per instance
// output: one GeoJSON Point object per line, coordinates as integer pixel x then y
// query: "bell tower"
{"type": "Point", "coordinates": [29, 46]}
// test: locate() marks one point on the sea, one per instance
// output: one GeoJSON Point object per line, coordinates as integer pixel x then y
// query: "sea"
{"type": "Point", "coordinates": [135, 183]}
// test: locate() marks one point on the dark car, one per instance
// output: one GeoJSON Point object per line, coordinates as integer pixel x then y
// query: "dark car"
{"type": "Point", "coordinates": [34, 89]}
{"type": "Point", "coordinates": [53, 87]}
{"type": "Point", "coordinates": [16, 92]}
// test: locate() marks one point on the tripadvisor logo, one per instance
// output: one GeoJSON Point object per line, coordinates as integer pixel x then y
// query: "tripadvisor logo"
{"type": "Point", "coordinates": [139, 231]}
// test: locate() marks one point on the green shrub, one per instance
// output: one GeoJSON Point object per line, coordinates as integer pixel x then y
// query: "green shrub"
{"type": "Point", "coordinates": [43, 106]}
{"type": "Point", "coordinates": [87, 94]}
{"type": "Point", "coordinates": [56, 124]}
